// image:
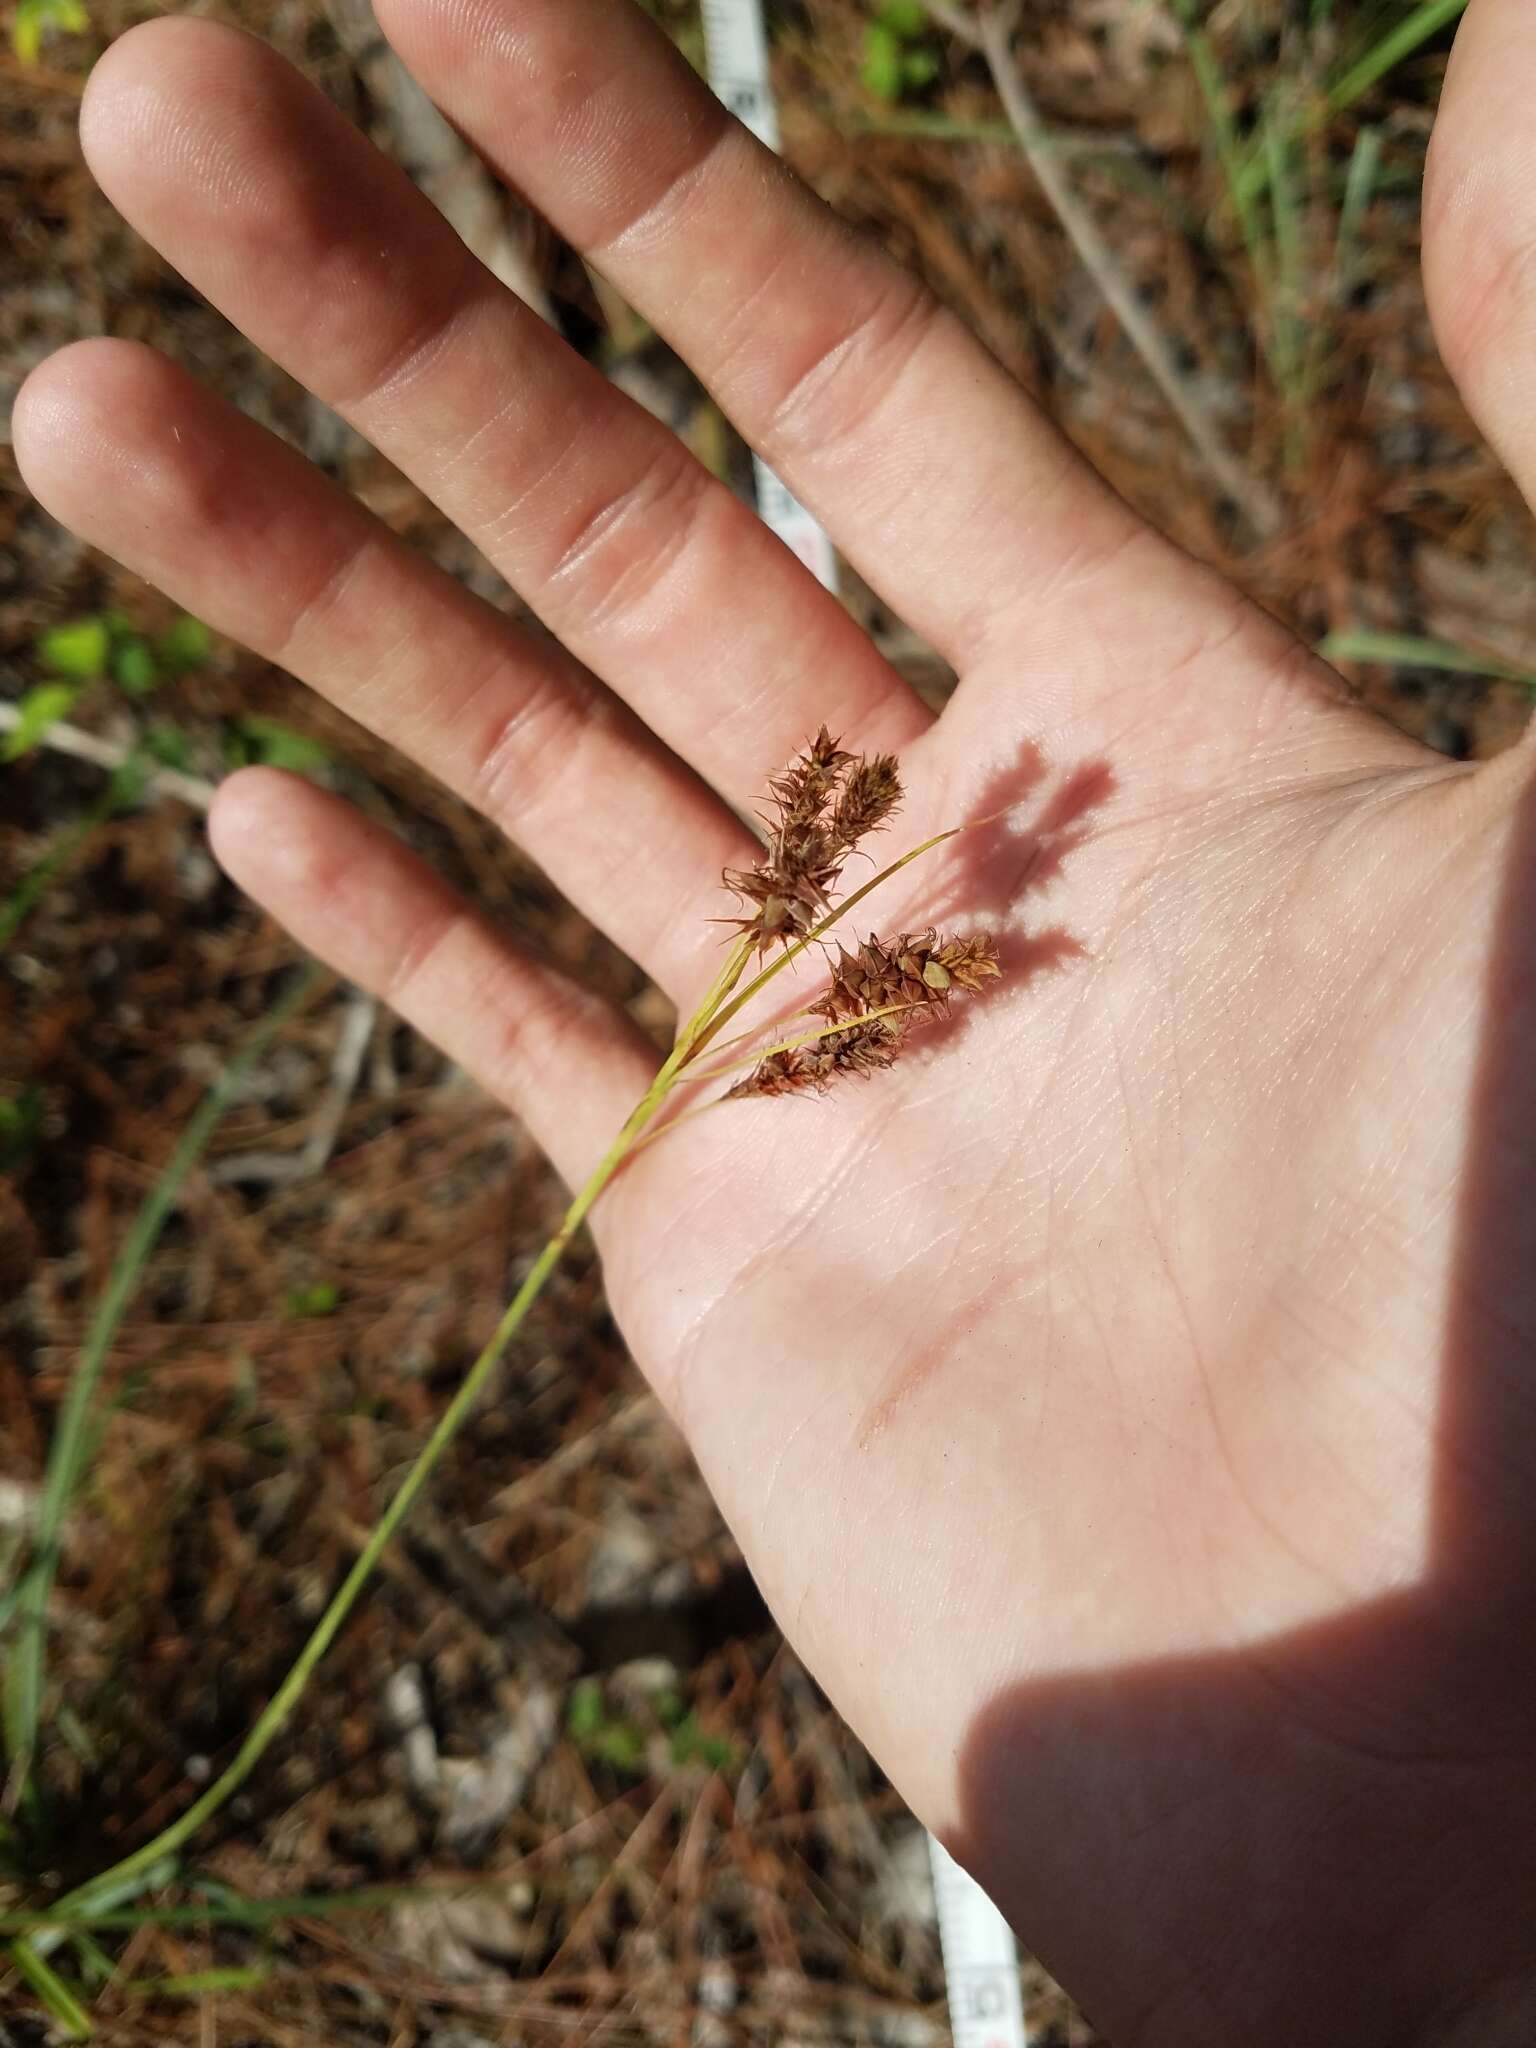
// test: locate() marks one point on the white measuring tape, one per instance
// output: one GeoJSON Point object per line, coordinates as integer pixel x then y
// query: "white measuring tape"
{"type": "Point", "coordinates": [738, 71]}
{"type": "Point", "coordinates": [981, 1957]}
{"type": "Point", "coordinates": [981, 1960]}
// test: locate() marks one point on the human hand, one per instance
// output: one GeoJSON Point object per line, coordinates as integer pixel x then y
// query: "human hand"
{"type": "Point", "coordinates": [1126, 1402]}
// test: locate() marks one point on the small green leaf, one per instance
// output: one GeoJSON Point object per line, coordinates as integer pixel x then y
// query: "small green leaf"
{"type": "Point", "coordinates": [691, 1745]}
{"type": "Point", "coordinates": [919, 68]}
{"type": "Point", "coordinates": [880, 72]}
{"type": "Point", "coordinates": [168, 745]}
{"type": "Point", "coordinates": [1407, 650]}
{"type": "Point", "coordinates": [308, 1304]}
{"type": "Point", "coordinates": [134, 668]}
{"type": "Point", "coordinates": [35, 19]}
{"type": "Point", "coordinates": [39, 708]}
{"type": "Point", "coordinates": [584, 1714]}
{"type": "Point", "coordinates": [620, 1745]}
{"type": "Point", "coordinates": [21, 1121]}
{"type": "Point", "coordinates": [185, 643]}
{"type": "Point", "coordinates": [907, 20]}
{"type": "Point", "coordinates": [128, 782]}
{"type": "Point", "coordinates": [262, 742]}
{"type": "Point", "coordinates": [79, 648]}
{"type": "Point", "coordinates": [604, 1738]}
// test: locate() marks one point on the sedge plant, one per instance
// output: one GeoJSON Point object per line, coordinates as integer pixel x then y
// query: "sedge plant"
{"type": "Point", "coordinates": [821, 810]}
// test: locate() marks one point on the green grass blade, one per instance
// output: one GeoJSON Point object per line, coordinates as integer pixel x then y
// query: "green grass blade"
{"type": "Point", "coordinates": [1218, 113]}
{"type": "Point", "coordinates": [97, 1965]}
{"type": "Point", "coordinates": [229, 1909]}
{"type": "Point", "coordinates": [1383, 55]}
{"type": "Point", "coordinates": [1406, 650]}
{"type": "Point", "coordinates": [274, 1716]}
{"type": "Point", "coordinates": [1390, 50]}
{"type": "Point", "coordinates": [1286, 207]}
{"type": "Point", "coordinates": [1359, 191]}
{"type": "Point", "coordinates": [68, 1454]}
{"type": "Point", "coordinates": [198, 1983]}
{"type": "Point", "coordinates": [58, 2000]}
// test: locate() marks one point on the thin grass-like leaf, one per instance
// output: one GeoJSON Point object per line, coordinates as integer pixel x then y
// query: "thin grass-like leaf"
{"type": "Point", "coordinates": [53, 1993]}
{"type": "Point", "coordinates": [768, 1052]}
{"type": "Point", "coordinates": [1219, 117]}
{"type": "Point", "coordinates": [197, 1983]}
{"type": "Point", "coordinates": [69, 1453]}
{"type": "Point", "coordinates": [1359, 190]}
{"type": "Point", "coordinates": [269, 1723]}
{"type": "Point", "coordinates": [1382, 56]}
{"type": "Point", "coordinates": [1288, 357]}
{"type": "Point", "coordinates": [224, 1908]}
{"type": "Point", "coordinates": [1390, 50]}
{"type": "Point", "coordinates": [1406, 650]}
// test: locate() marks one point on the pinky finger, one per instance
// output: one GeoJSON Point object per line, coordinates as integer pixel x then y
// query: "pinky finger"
{"type": "Point", "coordinates": [567, 1062]}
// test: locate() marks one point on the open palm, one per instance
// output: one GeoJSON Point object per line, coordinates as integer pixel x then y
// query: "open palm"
{"type": "Point", "coordinates": [1126, 1402]}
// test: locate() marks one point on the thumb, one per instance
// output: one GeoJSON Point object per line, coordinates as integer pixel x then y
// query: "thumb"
{"type": "Point", "coordinates": [1480, 228]}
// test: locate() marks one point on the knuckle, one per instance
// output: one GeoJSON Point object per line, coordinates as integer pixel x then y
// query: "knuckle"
{"type": "Point", "coordinates": [620, 548]}
{"type": "Point", "coordinates": [696, 147]}
{"type": "Point", "coordinates": [424, 944]}
{"type": "Point", "coordinates": [319, 595]}
{"type": "Point", "coordinates": [541, 733]}
{"type": "Point", "coordinates": [835, 396]}
{"type": "Point", "coordinates": [388, 366]}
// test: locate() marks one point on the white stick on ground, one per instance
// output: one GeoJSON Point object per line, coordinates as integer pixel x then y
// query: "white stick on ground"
{"type": "Point", "coordinates": [86, 746]}
{"type": "Point", "coordinates": [269, 1169]}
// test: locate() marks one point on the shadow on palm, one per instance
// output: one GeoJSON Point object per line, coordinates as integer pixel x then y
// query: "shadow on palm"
{"type": "Point", "coordinates": [1397, 1734]}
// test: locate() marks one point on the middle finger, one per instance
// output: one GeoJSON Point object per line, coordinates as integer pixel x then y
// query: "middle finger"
{"type": "Point", "coordinates": [652, 572]}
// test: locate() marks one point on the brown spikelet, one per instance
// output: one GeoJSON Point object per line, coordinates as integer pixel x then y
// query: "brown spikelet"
{"type": "Point", "coordinates": [910, 977]}
{"type": "Point", "coordinates": [870, 794]}
{"type": "Point", "coordinates": [824, 803]}
{"type": "Point", "coordinates": [858, 1051]}
{"type": "Point", "coordinates": [923, 972]}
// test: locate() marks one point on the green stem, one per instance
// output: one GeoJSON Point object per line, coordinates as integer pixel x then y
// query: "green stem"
{"type": "Point", "coordinates": [1425, 21]}
{"type": "Point", "coordinates": [55, 1994]}
{"type": "Point", "coordinates": [1401, 42]}
{"type": "Point", "coordinates": [281, 1705]}
{"type": "Point", "coordinates": [734, 1008]}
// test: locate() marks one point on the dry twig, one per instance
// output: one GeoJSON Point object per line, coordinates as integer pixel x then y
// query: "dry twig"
{"type": "Point", "coordinates": [992, 32]}
{"type": "Point", "coordinates": [269, 1168]}
{"type": "Point", "coordinates": [86, 746]}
